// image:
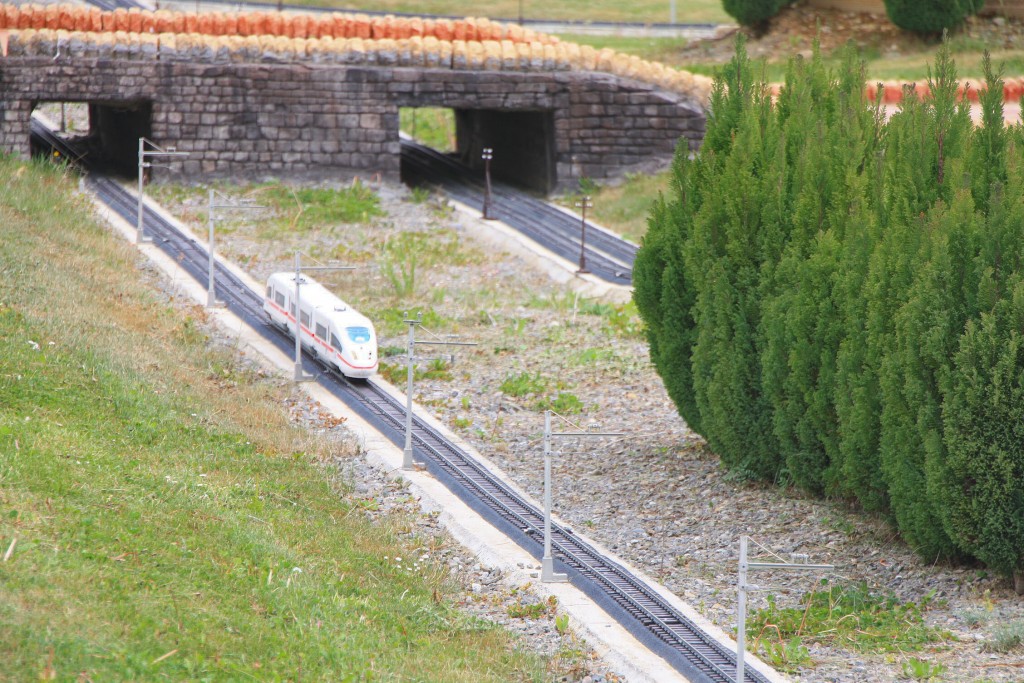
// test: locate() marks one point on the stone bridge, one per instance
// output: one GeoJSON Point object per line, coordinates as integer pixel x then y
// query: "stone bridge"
{"type": "Point", "coordinates": [320, 97]}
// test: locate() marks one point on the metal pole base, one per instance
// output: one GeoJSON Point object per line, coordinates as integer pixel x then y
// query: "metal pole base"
{"type": "Point", "coordinates": [582, 271]}
{"type": "Point", "coordinates": [548, 574]}
{"type": "Point", "coordinates": [300, 374]}
{"type": "Point", "coordinates": [212, 302]}
{"type": "Point", "coordinates": [143, 239]}
{"type": "Point", "coordinates": [407, 462]}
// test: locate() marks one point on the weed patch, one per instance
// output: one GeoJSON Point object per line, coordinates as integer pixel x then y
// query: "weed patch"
{"type": "Point", "coordinates": [849, 617]}
{"type": "Point", "coordinates": [523, 384]}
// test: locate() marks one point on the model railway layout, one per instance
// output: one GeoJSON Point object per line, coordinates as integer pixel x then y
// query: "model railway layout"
{"type": "Point", "coordinates": [696, 654]}
{"type": "Point", "coordinates": [608, 257]}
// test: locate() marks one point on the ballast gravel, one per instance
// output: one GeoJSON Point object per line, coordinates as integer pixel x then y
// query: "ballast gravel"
{"type": "Point", "coordinates": [656, 495]}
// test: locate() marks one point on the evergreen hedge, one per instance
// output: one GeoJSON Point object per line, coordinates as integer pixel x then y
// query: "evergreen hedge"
{"type": "Point", "coordinates": [754, 13]}
{"type": "Point", "coordinates": [836, 301]}
{"type": "Point", "coordinates": [930, 16]}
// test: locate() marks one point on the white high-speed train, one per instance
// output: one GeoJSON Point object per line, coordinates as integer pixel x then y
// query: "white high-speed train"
{"type": "Point", "coordinates": [335, 332]}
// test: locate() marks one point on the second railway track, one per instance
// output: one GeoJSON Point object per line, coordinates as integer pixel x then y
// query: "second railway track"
{"type": "Point", "coordinates": [641, 609]}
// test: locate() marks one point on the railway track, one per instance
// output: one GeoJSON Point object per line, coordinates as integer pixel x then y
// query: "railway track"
{"type": "Point", "coordinates": [607, 256]}
{"type": "Point", "coordinates": [697, 655]}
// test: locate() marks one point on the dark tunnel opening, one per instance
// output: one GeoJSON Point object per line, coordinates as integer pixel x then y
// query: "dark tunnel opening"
{"type": "Point", "coordinates": [522, 142]}
{"type": "Point", "coordinates": [106, 134]}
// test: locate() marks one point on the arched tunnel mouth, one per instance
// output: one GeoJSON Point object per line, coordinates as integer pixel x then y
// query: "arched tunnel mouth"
{"type": "Point", "coordinates": [522, 142]}
{"type": "Point", "coordinates": [105, 134]}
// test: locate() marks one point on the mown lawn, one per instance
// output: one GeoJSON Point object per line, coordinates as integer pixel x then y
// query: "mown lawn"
{"type": "Point", "coordinates": [641, 11]}
{"type": "Point", "coordinates": [159, 516]}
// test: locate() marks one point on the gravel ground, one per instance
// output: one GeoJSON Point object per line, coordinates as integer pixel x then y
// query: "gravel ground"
{"type": "Point", "coordinates": [656, 496]}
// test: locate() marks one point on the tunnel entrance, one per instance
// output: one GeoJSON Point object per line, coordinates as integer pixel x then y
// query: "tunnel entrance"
{"type": "Point", "coordinates": [106, 134]}
{"type": "Point", "coordinates": [523, 144]}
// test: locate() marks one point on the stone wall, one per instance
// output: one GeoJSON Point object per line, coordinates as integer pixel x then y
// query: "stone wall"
{"type": "Point", "coordinates": [301, 120]}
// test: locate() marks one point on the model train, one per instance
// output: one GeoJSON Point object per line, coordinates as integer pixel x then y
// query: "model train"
{"type": "Point", "coordinates": [333, 331]}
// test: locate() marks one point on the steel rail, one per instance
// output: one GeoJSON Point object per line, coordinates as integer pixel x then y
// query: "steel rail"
{"type": "Point", "coordinates": [427, 164]}
{"type": "Point", "coordinates": [637, 606]}
{"type": "Point", "coordinates": [608, 257]}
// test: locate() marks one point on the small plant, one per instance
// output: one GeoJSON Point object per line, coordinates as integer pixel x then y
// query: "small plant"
{"type": "Point", "coordinates": [516, 326]}
{"type": "Point", "coordinates": [564, 403]}
{"type": "Point", "coordinates": [523, 384]}
{"type": "Point", "coordinates": [462, 422]}
{"type": "Point", "coordinates": [1006, 638]}
{"type": "Point", "coordinates": [587, 186]}
{"type": "Point", "coordinates": [533, 610]}
{"type": "Point", "coordinates": [391, 321]}
{"type": "Point", "coordinates": [922, 670]}
{"type": "Point", "coordinates": [421, 195]}
{"type": "Point", "coordinates": [592, 355]}
{"type": "Point", "coordinates": [391, 351]}
{"type": "Point", "coordinates": [562, 624]}
{"type": "Point", "coordinates": [398, 266]}
{"type": "Point", "coordinates": [391, 373]}
{"type": "Point", "coordinates": [437, 369]}
{"type": "Point", "coordinates": [787, 655]}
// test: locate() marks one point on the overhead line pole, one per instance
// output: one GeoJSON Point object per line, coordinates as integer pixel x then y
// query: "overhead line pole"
{"type": "Point", "coordinates": [211, 295]}
{"type": "Point", "coordinates": [407, 459]}
{"type": "Point", "coordinates": [157, 151]}
{"type": "Point", "coordinates": [547, 571]}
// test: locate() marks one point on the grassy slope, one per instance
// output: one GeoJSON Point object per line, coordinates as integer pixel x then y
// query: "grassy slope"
{"type": "Point", "coordinates": [644, 11]}
{"type": "Point", "coordinates": [168, 520]}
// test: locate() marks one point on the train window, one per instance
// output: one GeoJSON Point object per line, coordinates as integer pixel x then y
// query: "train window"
{"type": "Point", "coordinates": [291, 308]}
{"type": "Point", "coordinates": [270, 292]}
{"type": "Point", "coordinates": [279, 298]}
{"type": "Point", "coordinates": [321, 331]}
{"type": "Point", "coordinates": [334, 341]}
{"type": "Point", "coordinates": [305, 318]}
{"type": "Point", "coordinates": [359, 335]}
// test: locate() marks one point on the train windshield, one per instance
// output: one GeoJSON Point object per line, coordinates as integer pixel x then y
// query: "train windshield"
{"type": "Point", "coordinates": [358, 335]}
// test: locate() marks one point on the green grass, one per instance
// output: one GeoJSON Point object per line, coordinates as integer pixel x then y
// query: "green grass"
{"type": "Point", "coordinates": [164, 519]}
{"type": "Point", "coordinates": [308, 208]}
{"type": "Point", "coordinates": [654, 49]}
{"type": "Point", "coordinates": [563, 403]}
{"type": "Point", "coordinates": [287, 209]}
{"type": "Point", "coordinates": [846, 616]}
{"type": "Point", "coordinates": [523, 384]}
{"type": "Point", "coordinates": [433, 126]}
{"type": "Point", "coordinates": [645, 11]}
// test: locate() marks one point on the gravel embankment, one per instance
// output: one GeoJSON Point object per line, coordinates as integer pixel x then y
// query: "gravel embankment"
{"type": "Point", "coordinates": [656, 496]}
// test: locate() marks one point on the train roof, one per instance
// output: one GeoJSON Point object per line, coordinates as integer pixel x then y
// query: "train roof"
{"type": "Point", "coordinates": [319, 298]}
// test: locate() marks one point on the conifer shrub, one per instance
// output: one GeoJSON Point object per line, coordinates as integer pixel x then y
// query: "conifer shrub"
{"type": "Point", "coordinates": [753, 13]}
{"type": "Point", "coordinates": [930, 16]}
{"type": "Point", "coordinates": [836, 300]}
{"type": "Point", "coordinates": [983, 479]}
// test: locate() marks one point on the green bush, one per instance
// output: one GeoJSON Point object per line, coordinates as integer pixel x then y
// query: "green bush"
{"type": "Point", "coordinates": [983, 484]}
{"type": "Point", "coordinates": [755, 13]}
{"type": "Point", "coordinates": [807, 284]}
{"type": "Point", "coordinates": [930, 16]}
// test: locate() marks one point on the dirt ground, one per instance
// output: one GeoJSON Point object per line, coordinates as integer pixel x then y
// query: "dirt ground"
{"type": "Point", "coordinates": [795, 28]}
